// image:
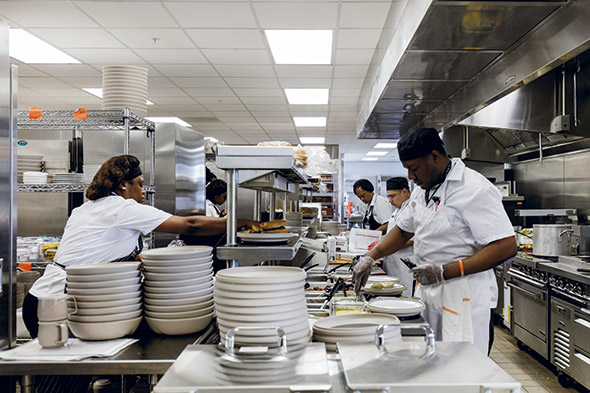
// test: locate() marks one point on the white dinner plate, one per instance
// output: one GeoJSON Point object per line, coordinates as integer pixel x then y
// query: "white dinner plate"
{"type": "Point", "coordinates": [296, 314]}
{"type": "Point", "coordinates": [104, 291]}
{"type": "Point", "coordinates": [400, 307]}
{"type": "Point", "coordinates": [350, 324]}
{"type": "Point", "coordinates": [103, 268]}
{"type": "Point", "coordinates": [164, 296]}
{"type": "Point", "coordinates": [277, 301]}
{"type": "Point", "coordinates": [170, 253]}
{"type": "Point", "coordinates": [108, 298]}
{"type": "Point", "coordinates": [102, 284]}
{"type": "Point", "coordinates": [96, 278]}
{"type": "Point", "coordinates": [105, 310]}
{"type": "Point", "coordinates": [179, 283]}
{"type": "Point", "coordinates": [105, 304]}
{"type": "Point", "coordinates": [151, 276]}
{"type": "Point", "coordinates": [178, 269]}
{"type": "Point", "coordinates": [266, 237]}
{"type": "Point", "coordinates": [178, 289]}
{"type": "Point", "coordinates": [379, 278]}
{"type": "Point", "coordinates": [175, 262]}
{"type": "Point", "coordinates": [244, 290]}
{"type": "Point", "coordinates": [253, 275]}
{"type": "Point", "coordinates": [175, 308]}
{"type": "Point", "coordinates": [397, 289]}
{"type": "Point", "coordinates": [178, 302]}
{"type": "Point", "coordinates": [228, 293]}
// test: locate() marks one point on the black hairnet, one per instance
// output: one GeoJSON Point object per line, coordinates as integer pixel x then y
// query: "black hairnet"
{"type": "Point", "coordinates": [419, 143]}
{"type": "Point", "coordinates": [397, 183]}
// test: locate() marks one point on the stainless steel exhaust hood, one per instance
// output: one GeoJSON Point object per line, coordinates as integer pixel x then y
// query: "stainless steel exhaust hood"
{"type": "Point", "coordinates": [438, 62]}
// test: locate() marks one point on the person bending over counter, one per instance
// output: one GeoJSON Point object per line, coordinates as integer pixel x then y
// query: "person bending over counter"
{"type": "Point", "coordinates": [216, 195]}
{"type": "Point", "coordinates": [108, 228]}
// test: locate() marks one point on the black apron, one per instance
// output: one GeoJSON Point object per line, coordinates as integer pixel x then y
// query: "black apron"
{"type": "Point", "coordinates": [369, 221]}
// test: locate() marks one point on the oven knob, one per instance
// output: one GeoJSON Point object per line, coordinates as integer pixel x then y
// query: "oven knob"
{"type": "Point", "coordinates": [578, 290]}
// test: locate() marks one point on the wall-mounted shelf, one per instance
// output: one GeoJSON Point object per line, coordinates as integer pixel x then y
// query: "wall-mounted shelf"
{"type": "Point", "coordinates": [77, 187]}
{"type": "Point", "coordinates": [98, 120]}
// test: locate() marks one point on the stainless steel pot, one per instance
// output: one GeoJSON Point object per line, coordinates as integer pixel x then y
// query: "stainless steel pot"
{"type": "Point", "coordinates": [552, 240]}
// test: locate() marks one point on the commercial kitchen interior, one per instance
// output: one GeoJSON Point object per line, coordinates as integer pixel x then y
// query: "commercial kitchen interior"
{"type": "Point", "coordinates": [506, 82]}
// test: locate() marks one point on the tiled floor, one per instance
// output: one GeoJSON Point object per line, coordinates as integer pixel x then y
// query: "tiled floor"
{"type": "Point", "coordinates": [527, 367]}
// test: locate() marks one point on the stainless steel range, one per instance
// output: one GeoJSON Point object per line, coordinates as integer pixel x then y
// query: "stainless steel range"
{"type": "Point", "coordinates": [529, 298]}
{"type": "Point", "coordinates": [570, 317]}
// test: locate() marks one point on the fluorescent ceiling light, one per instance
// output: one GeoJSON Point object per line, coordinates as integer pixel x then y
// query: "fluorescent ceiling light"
{"type": "Point", "coordinates": [30, 49]}
{"type": "Point", "coordinates": [377, 153]}
{"type": "Point", "coordinates": [307, 96]}
{"type": "Point", "coordinates": [369, 158]}
{"type": "Point", "coordinates": [385, 145]}
{"type": "Point", "coordinates": [300, 46]}
{"type": "Point", "coordinates": [169, 120]}
{"type": "Point", "coordinates": [310, 121]}
{"type": "Point", "coordinates": [307, 140]}
{"type": "Point", "coordinates": [97, 91]}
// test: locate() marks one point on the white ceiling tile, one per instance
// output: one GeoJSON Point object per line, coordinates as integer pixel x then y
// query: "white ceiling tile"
{"type": "Point", "coordinates": [343, 115]}
{"type": "Point", "coordinates": [321, 110]}
{"type": "Point", "coordinates": [340, 83]}
{"type": "Point", "coordinates": [344, 100]}
{"type": "Point", "coordinates": [358, 38]}
{"type": "Point", "coordinates": [167, 101]}
{"type": "Point", "coordinates": [227, 38]}
{"type": "Point", "coordinates": [127, 14]}
{"type": "Point", "coordinates": [171, 56]}
{"type": "Point", "coordinates": [77, 38]}
{"type": "Point", "coordinates": [304, 71]}
{"type": "Point", "coordinates": [237, 56]}
{"type": "Point", "coordinates": [246, 71]}
{"type": "Point", "coordinates": [45, 14]}
{"type": "Point", "coordinates": [209, 92]}
{"type": "Point", "coordinates": [193, 114]}
{"type": "Point", "coordinates": [296, 15]}
{"type": "Point", "coordinates": [105, 56]}
{"type": "Point", "coordinates": [263, 101]}
{"type": "Point", "coordinates": [212, 14]}
{"type": "Point", "coordinates": [252, 82]}
{"type": "Point", "coordinates": [352, 93]}
{"type": "Point", "coordinates": [343, 108]}
{"type": "Point", "coordinates": [259, 92]}
{"type": "Point", "coordinates": [351, 71]}
{"type": "Point", "coordinates": [181, 107]}
{"type": "Point", "coordinates": [219, 100]}
{"type": "Point", "coordinates": [166, 92]}
{"type": "Point", "coordinates": [363, 15]}
{"type": "Point", "coordinates": [354, 56]}
{"type": "Point", "coordinates": [199, 82]}
{"type": "Point", "coordinates": [236, 109]}
{"type": "Point", "coordinates": [158, 112]}
{"type": "Point", "coordinates": [34, 82]}
{"type": "Point", "coordinates": [26, 70]}
{"type": "Point", "coordinates": [44, 103]}
{"type": "Point", "coordinates": [23, 92]}
{"type": "Point", "coordinates": [69, 70]}
{"type": "Point", "coordinates": [83, 82]}
{"type": "Point", "coordinates": [144, 38]}
{"type": "Point", "coordinates": [160, 82]}
{"type": "Point", "coordinates": [186, 70]}
{"type": "Point", "coordinates": [62, 93]}
{"type": "Point", "coordinates": [308, 83]}
{"type": "Point", "coordinates": [263, 115]}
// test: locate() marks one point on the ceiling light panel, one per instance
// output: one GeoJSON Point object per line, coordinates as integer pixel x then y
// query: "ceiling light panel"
{"type": "Point", "coordinates": [307, 96]}
{"type": "Point", "coordinates": [385, 145]}
{"type": "Point", "coordinates": [169, 120]}
{"type": "Point", "coordinates": [300, 46]}
{"type": "Point", "coordinates": [377, 153]}
{"type": "Point", "coordinates": [312, 140]}
{"type": "Point", "coordinates": [310, 121]}
{"type": "Point", "coordinates": [30, 49]}
{"type": "Point", "coordinates": [97, 91]}
{"type": "Point", "coordinates": [369, 158]}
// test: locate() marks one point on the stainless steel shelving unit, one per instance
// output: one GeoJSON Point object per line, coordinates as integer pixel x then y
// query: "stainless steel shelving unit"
{"type": "Point", "coordinates": [269, 169]}
{"type": "Point", "coordinates": [63, 188]}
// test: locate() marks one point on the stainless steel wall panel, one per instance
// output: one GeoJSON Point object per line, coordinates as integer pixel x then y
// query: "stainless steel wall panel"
{"type": "Point", "coordinates": [577, 180]}
{"type": "Point", "coordinates": [421, 89]}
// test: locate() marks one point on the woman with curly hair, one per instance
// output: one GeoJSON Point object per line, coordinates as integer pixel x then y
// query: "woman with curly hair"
{"type": "Point", "coordinates": [107, 228]}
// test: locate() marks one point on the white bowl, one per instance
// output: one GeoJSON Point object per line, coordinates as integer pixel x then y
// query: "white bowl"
{"type": "Point", "coordinates": [163, 296]}
{"type": "Point", "coordinates": [104, 330]}
{"type": "Point", "coordinates": [179, 326]}
{"type": "Point", "coordinates": [178, 290]}
{"type": "Point", "coordinates": [83, 311]}
{"type": "Point", "coordinates": [102, 284]}
{"type": "Point", "coordinates": [176, 308]}
{"type": "Point", "coordinates": [71, 278]}
{"type": "Point", "coordinates": [104, 291]}
{"type": "Point", "coordinates": [181, 314]}
{"type": "Point", "coordinates": [102, 268]}
{"type": "Point", "coordinates": [108, 298]}
{"type": "Point", "coordinates": [182, 283]}
{"type": "Point", "coordinates": [106, 304]}
{"type": "Point", "coordinates": [178, 269]}
{"type": "Point", "coordinates": [170, 253]}
{"type": "Point", "coordinates": [175, 276]}
{"type": "Point", "coordinates": [252, 275]}
{"type": "Point", "coordinates": [175, 262]}
{"type": "Point", "coordinates": [178, 302]}
{"type": "Point", "coordinates": [105, 317]}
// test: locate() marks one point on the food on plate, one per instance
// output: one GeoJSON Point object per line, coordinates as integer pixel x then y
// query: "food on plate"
{"type": "Point", "coordinates": [383, 285]}
{"type": "Point", "coordinates": [274, 226]}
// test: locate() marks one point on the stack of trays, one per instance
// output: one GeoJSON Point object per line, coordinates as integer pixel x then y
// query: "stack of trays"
{"type": "Point", "coordinates": [178, 289]}
{"type": "Point", "coordinates": [353, 328]}
{"type": "Point", "coordinates": [107, 297]}
{"type": "Point", "coordinates": [68, 178]}
{"type": "Point", "coordinates": [89, 172]}
{"type": "Point", "coordinates": [331, 227]}
{"type": "Point", "coordinates": [262, 296]}
{"type": "Point", "coordinates": [125, 86]}
{"type": "Point", "coordinates": [35, 178]}
{"type": "Point", "coordinates": [54, 166]}
{"type": "Point", "coordinates": [28, 163]}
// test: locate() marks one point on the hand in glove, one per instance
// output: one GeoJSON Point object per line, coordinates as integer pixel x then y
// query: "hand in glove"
{"type": "Point", "coordinates": [428, 274]}
{"type": "Point", "coordinates": [361, 272]}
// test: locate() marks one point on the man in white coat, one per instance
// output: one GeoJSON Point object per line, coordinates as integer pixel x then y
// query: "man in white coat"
{"type": "Point", "coordinates": [460, 231]}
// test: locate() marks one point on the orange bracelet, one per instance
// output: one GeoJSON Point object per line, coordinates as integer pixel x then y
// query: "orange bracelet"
{"type": "Point", "coordinates": [461, 268]}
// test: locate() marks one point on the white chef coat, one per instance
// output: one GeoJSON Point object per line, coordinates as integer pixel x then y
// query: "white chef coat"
{"type": "Point", "coordinates": [469, 216]}
{"type": "Point", "coordinates": [98, 231]}
{"type": "Point", "coordinates": [382, 209]}
{"type": "Point", "coordinates": [211, 209]}
{"type": "Point", "coordinates": [392, 263]}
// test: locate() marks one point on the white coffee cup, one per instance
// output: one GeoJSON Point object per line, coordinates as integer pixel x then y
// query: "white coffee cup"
{"type": "Point", "coordinates": [54, 308]}
{"type": "Point", "coordinates": [53, 334]}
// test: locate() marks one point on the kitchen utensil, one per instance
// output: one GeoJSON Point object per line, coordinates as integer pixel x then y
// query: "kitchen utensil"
{"type": "Point", "coordinates": [54, 308]}
{"type": "Point", "coordinates": [53, 334]}
{"type": "Point", "coordinates": [552, 240]}
{"type": "Point", "coordinates": [307, 260]}
{"type": "Point", "coordinates": [311, 267]}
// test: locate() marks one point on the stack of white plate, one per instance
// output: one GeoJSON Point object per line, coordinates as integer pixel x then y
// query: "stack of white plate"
{"type": "Point", "coordinates": [89, 172]}
{"type": "Point", "coordinates": [35, 178]}
{"type": "Point", "coordinates": [400, 307]}
{"type": "Point", "coordinates": [28, 163]}
{"type": "Point", "coordinates": [55, 166]}
{"type": "Point", "coordinates": [108, 300]}
{"type": "Point", "coordinates": [271, 296]}
{"type": "Point", "coordinates": [178, 289]}
{"type": "Point", "coordinates": [125, 86]}
{"type": "Point", "coordinates": [373, 289]}
{"type": "Point", "coordinates": [331, 227]}
{"type": "Point", "coordinates": [68, 178]}
{"type": "Point", "coordinates": [353, 328]}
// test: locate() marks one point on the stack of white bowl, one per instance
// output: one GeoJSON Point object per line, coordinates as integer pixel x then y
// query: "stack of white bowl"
{"type": "Point", "coordinates": [107, 297]}
{"type": "Point", "coordinates": [272, 296]}
{"type": "Point", "coordinates": [353, 328]}
{"type": "Point", "coordinates": [178, 289]}
{"type": "Point", "coordinates": [28, 163]}
{"type": "Point", "coordinates": [125, 86]}
{"type": "Point", "coordinates": [55, 166]}
{"type": "Point", "coordinates": [35, 178]}
{"type": "Point", "coordinates": [330, 227]}
{"type": "Point", "coordinates": [68, 178]}
{"type": "Point", "coordinates": [89, 172]}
